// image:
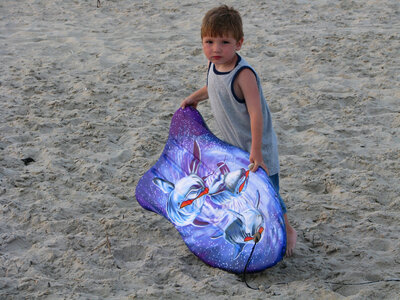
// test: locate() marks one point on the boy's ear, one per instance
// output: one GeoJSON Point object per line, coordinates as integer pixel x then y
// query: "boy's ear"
{"type": "Point", "coordinates": [239, 44]}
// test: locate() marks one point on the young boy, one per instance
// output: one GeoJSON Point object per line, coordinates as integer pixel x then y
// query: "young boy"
{"type": "Point", "coordinates": [236, 98]}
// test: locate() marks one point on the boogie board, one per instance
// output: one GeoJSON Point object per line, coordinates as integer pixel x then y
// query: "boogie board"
{"type": "Point", "coordinates": [203, 187]}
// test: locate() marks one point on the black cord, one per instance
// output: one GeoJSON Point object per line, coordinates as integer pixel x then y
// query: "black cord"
{"type": "Point", "coordinates": [257, 238]}
{"type": "Point", "coordinates": [362, 283]}
{"type": "Point", "coordinates": [245, 269]}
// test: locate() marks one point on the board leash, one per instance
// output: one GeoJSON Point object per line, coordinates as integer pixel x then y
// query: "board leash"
{"type": "Point", "coordinates": [363, 283]}
{"type": "Point", "coordinates": [257, 238]}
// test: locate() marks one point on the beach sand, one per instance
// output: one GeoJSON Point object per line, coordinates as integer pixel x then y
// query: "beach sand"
{"type": "Point", "coordinates": [88, 93]}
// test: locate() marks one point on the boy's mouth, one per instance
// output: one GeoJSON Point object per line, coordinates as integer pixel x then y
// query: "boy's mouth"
{"type": "Point", "coordinates": [216, 57]}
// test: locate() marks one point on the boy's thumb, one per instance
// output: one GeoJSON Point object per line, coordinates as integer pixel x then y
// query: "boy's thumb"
{"type": "Point", "coordinates": [253, 167]}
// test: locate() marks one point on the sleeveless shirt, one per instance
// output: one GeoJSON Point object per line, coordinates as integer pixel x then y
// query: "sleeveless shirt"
{"type": "Point", "coordinates": [232, 117]}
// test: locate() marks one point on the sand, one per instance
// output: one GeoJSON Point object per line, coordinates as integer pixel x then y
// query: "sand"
{"type": "Point", "coordinates": [88, 93]}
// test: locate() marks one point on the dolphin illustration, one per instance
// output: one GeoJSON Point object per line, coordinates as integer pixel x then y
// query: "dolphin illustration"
{"type": "Point", "coordinates": [244, 228]}
{"type": "Point", "coordinates": [228, 184]}
{"type": "Point", "coordinates": [186, 196]}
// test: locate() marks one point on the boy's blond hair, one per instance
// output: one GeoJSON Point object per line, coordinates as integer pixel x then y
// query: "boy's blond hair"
{"type": "Point", "coordinates": [221, 21]}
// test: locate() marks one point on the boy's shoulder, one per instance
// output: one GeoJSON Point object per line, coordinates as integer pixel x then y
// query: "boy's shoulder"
{"type": "Point", "coordinates": [244, 69]}
{"type": "Point", "coordinates": [244, 64]}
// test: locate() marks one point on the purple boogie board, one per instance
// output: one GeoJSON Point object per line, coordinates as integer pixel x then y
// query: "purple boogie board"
{"type": "Point", "coordinates": [203, 187]}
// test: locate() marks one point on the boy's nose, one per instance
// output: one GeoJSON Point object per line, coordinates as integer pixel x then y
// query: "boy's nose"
{"type": "Point", "coordinates": [217, 48]}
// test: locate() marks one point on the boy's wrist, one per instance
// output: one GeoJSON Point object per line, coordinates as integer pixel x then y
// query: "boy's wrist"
{"type": "Point", "coordinates": [192, 101]}
{"type": "Point", "coordinates": [256, 150]}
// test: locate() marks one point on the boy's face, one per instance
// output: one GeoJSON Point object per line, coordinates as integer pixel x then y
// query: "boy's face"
{"type": "Point", "coordinates": [221, 50]}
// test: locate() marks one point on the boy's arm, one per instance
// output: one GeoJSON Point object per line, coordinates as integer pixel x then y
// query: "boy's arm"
{"type": "Point", "coordinates": [196, 97]}
{"type": "Point", "coordinates": [247, 84]}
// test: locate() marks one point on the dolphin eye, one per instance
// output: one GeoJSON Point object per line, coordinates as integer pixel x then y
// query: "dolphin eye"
{"type": "Point", "coordinates": [192, 194]}
{"type": "Point", "coordinates": [194, 191]}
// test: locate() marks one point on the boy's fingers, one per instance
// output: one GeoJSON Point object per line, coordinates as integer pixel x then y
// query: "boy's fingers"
{"type": "Point", "coordinates": [185, 104]}
{"type": "Point", "coordinates": [265, 168]}
{"type": "Point", "coordinates": [255, 167]}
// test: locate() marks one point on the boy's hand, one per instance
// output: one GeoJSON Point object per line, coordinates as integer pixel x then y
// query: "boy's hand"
{"type": "Point", "coordinates": [189, 102]}
{"type": "Point", "coordinates": [255, 167]}
{"type": "Point", "coordinates": [195, 98]}
{"type": "Point", "coordinates": [256, 162]}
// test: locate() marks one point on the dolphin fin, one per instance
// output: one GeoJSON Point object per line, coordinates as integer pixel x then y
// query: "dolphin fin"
{"type": "Point", "coordinates": [238, 249]}
{"type": "Point", "coordinates": [198, 222]}
{"type": "Point", "coordinates": [223, 168]}
{"type": "Point", "coordinates": [194, 165]}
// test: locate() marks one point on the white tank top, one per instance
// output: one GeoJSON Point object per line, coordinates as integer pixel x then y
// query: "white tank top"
{"type": "Point", "coordinates": [232, 117]}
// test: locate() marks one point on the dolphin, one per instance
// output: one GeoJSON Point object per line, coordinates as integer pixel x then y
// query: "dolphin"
{"type": "Point", "coordinates": [186, 196]}
{"type": "Point", "coordinates": [244, 228]}
{"type": "Point", "coordinates": [228, 184]}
